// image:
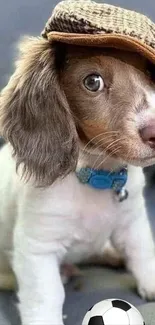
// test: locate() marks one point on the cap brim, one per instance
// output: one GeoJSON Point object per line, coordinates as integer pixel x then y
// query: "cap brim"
{"type": "Point", "coordinates": [118, 41]}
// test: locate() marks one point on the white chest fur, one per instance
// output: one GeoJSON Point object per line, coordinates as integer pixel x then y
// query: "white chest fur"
{"type": "Point", "coordinates": [70, 215]}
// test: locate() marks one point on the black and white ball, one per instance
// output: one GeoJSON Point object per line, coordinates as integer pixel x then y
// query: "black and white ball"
{"type": "Point", "coordinates": [113, 312]}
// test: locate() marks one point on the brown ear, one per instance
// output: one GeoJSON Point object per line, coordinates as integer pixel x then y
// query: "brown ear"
{"type": "Point", "coordinates": [35, 116]}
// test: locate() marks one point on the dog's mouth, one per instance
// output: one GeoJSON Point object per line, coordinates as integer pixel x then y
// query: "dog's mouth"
{"type": "Point", "coordinates": [143, 162]}
{"type": "Point", "coordinates": [132, 151]}
{"type": "Point", "coordinates": [125, 146]}
{"type": "Point", "coordinates": [138, 157]}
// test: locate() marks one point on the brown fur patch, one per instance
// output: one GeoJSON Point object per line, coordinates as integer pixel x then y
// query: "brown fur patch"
{"type": "Point", "coordinates": [35, 116]}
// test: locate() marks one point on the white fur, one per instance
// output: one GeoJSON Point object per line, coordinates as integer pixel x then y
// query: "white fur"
{"type": "Point", "coordinates": [41, 228]}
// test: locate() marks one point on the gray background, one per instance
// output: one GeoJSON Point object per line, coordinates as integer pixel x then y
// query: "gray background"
{"type": "Point", "coordinates": [27, 17]}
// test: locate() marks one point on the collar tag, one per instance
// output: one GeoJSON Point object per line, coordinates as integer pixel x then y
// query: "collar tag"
{"type": "Point", "coordinates": [122, 194]}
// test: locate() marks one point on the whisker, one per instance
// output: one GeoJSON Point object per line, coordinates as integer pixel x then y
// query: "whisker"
{"type": "Point", "coordinates": [109, 155]}
{"type": "Point", "coordinates": [95, 145]}
{"type": "Point", "coordinates": [128, 155]}
{"type": "Point", "coordinates": [101, 134]}
{"type": "Point", "coordinates": [108, 147]}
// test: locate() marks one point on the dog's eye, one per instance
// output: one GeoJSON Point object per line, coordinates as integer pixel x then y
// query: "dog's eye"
{"type": "Point", "coordinates": [94, 82]}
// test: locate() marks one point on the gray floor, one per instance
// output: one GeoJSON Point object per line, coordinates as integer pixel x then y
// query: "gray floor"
{"type": "Point", "coordinates": [18, 18]}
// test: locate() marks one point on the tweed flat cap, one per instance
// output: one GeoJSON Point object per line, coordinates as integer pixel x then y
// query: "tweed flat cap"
{"type": "Point", "coordinates": [87, 23]}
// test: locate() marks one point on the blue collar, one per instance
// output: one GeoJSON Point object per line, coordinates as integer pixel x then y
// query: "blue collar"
{"type": "Point", "coordinates": [103, 180]}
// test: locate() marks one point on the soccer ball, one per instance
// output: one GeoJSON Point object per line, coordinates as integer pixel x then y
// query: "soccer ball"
{"type": "Point", "coordinates": [113, 312]}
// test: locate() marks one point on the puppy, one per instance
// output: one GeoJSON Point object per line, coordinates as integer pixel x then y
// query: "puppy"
{"type": "Point", "coordinates": [67, 108]}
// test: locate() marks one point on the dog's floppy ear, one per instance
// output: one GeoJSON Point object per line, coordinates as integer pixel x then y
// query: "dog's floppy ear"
{"type": "Point", "coordinates": [35, 116]}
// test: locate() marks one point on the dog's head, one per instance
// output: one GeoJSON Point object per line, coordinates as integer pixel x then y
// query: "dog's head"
{"type": "Point", "coordinates": [62, 95]}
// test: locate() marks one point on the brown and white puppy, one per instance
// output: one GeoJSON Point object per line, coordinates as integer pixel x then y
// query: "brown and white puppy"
{"type": "Point", "coordinates": [65, 108]}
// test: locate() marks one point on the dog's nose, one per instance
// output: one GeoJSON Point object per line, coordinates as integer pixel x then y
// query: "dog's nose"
{"type": "Point", "coordinates": [147, 134]}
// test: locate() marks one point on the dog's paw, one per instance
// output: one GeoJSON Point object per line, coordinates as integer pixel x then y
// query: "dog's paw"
{"type": "Point", "coordinates": [146, 283]}
{"type": "Point", "coordinates": [147, 293]}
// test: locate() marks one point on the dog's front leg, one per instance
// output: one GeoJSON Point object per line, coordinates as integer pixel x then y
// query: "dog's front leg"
{"type": "Point", "coordinates": [40, 292]}
{"type": "Point", "coordinates": [134, 239]}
